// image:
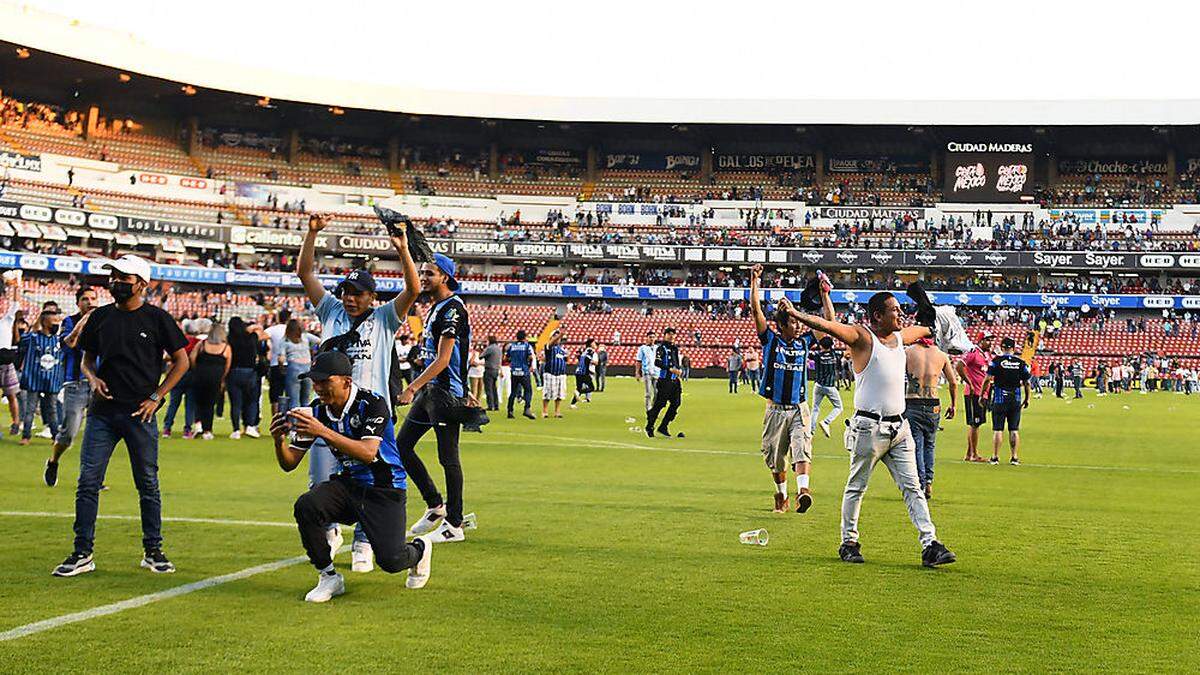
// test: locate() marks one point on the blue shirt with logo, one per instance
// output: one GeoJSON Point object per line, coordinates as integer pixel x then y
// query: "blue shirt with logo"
{"type": "Point", "coordinates": [785, 368]}
{"type": "Point", "coordinates": [520, 355]}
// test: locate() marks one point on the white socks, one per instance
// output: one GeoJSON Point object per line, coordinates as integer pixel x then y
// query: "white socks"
{"type": "Point", "coordinates": [801, 481]}
{"type": "Point", "coordinates": [781, 488]}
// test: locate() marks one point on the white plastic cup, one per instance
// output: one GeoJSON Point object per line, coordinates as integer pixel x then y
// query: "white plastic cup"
{"type": "Point", "coordinates": [470, 522]}
{"type": "Point", "coordinates": [294, 435]}
{"type": "Point", "coordinates": [754, 538]}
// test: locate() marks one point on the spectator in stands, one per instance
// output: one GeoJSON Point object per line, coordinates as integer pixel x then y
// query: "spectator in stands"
{"type": "Point", "coordinates": [210, 359]}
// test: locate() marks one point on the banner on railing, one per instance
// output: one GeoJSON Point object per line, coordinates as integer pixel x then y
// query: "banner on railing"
{"type": "Point", "coordinates": [34, 262]}
{"type": "Point", "coordinates": [15, 160]}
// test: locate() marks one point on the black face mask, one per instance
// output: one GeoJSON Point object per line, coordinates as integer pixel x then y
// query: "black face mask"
{"type": "Point", "coordinates": [121, 291]}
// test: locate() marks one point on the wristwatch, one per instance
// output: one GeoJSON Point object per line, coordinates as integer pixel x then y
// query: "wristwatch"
{"type": "Point", "coordinates": [155, 397]}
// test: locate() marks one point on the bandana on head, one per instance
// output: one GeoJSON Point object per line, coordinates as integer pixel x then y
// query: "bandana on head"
{"type": "Point", "coordinates": [925, 342]}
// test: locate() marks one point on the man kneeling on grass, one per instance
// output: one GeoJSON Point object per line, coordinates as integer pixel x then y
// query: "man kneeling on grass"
{"type": "Point", "coordinates": [356, 425]}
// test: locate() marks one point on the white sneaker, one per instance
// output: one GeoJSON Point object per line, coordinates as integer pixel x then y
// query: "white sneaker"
{"type": "Point", "coordinates": [419, 576]}
{"type": "Point", "coordinates": [328, 587]}
{"type": "Point", "coordinates": [824, 427]}
{"type": "Point", "coordinates": [207, 436]}
{"type": "Point", "coordinates": [44, 433]}
{"type": "Point", "coordinates": [334, 537]}
{"type": "Point", "coordinates": [235, 435]}
{"type": "Point", "coordinates": [429, 521]}
{"type": "Point", "coordinates": [447, 533]}
{"type": "Point", "coordinates": [252, 432]}
{"type": "Point", "coordinates": [362, 558]}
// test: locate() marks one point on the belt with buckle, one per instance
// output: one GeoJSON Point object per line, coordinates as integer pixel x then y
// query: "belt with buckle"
{"type": "Point", "coordinates": [877, 417]}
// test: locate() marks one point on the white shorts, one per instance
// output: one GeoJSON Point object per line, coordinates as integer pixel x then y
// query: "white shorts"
{"type": "Point", "coordinates": [554, 387]}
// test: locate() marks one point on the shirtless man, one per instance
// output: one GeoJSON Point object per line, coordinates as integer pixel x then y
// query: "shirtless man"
{"type": "Point", "coordinates": [926, 365]}
{"type": "Point", "coordinates": [878, 432]}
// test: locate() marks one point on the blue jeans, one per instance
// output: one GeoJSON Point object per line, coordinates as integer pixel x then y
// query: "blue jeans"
{"type": "Point", "coordinates": [181, 392]}
{"type": "Point", "coordinates": [245, 390]}
{"type": "Point", "coordinates": [299, 391]}
{"type": "Point", "coordinates": [76, 396]}
{"type": "Point", "coordinates": [48, 403]}
{"type": "Point", "coordinates": [100, 438]}
{"type": "Point", "coordinates": [923, 417]}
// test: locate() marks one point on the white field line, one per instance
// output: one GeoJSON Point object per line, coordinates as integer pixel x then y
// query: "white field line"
{"type": "Point", "coordinates": [142, 600]}
{"type": "Point", "coordinates": [606, 444]}
{"type": "Point", "coordinates": [167, 519]}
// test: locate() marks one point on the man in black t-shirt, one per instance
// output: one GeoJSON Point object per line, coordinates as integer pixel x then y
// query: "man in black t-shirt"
{"type": "Point", "coordinates": [1007, 386]}
{"type": "Point", "coordinates": [128, 340]}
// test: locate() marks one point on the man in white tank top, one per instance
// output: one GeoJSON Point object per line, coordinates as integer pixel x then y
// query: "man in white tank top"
{"type": "Point", "coordinates": [878, 431]}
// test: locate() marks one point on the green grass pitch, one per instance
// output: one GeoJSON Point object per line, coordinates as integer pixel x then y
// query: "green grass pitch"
{"type": "Point", "coordinates": [599, 549]}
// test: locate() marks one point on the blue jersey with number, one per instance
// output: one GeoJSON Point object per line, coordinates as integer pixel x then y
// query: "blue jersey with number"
{"type": "Point", "coordinates": [785, 368]}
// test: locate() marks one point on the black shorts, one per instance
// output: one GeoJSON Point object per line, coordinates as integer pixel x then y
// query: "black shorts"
{"type": "Point", "coordinates": [1006, 413]}
{"type": "Point", "coordinates": [275, 385]}
{"type": "Point", "coordinates": [976, 411]}
{"type": "Point", "coordinates": [583, 383]}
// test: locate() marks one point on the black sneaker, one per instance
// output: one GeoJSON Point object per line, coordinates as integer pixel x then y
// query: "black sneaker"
{"type": "Point", "coordinates": [510, 415]}
{"type": "Point", "coordinates": [156, 562]}
{"type": "Point", "coordinates": [851, 552]}
{"type": "Point", "coordinates": [1015, 462]}
{"type": "Point", "coordinates": [50, 475]}
{"type": "Point", "coordinates": [663, 431]}
{"type": "Point", "coordinates": [14, 430]}
{"type": "Point", "coordinates": [995, 461]}
{"type": "Point", "coordinates": [650, 431]}
{"type": "Point", "coordinates": [935, 554]}
{"type": "Point", "coordinates": [529, 415]}
{"type": "Point", "coordinates": [77, 563]}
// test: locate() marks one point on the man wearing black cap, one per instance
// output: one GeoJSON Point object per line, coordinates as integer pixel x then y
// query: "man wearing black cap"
{"type": "Point", "coordinates": [444, 404]}
{"type": "Point", "coordinates": [356, 425]}
{"type": "Point", "coordinates": [667, 390]}
{"type": "Point", "coordinates": [1007, 387]}
{"type": "Point", "coordinates": [127, 339]}
{"type": "Point", "coordinates": [353, 325]}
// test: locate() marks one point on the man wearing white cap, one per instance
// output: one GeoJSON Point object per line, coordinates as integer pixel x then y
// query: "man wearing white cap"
{"type": "Point", "coordinates": [123, 345]}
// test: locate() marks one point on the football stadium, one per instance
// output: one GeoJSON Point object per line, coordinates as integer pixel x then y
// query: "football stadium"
{"type": "Point", "coordinates": [756, 338]}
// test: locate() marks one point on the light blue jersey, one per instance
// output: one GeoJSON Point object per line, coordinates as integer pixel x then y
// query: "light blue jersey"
{"type": "Point", "coordinates": [645, 356]}
{"type": "Point", "coordinates": [371, 352]}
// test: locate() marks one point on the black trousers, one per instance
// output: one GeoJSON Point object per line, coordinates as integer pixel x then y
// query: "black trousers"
{"type": "Point", "coordinates": [380, 511]}
{"type": "Point", "coordinates": [447, 449]}
{"type": "Point", "coordinates": [490, 390]}
{"type": "Point", "coordinates": [521, 388]}
{"type": "Point", "coordinates": [666, 395]}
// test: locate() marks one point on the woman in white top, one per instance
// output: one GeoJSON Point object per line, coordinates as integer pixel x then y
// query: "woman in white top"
{"type": "Point", "coordinates": [298, 348]}
{"type": "Point", "coordinates": [475, 372]}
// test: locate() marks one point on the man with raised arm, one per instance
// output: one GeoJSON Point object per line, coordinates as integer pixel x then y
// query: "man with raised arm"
{"type": "Point", "coordinates": [787, 432]}
{"type": "Point", "coordinates": [353, 325]}
{"type": "Point", "coordinates": [878, 431]}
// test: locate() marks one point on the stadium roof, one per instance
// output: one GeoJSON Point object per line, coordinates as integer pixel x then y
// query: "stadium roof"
{"type": "Point", "coordinates": [950, 63]}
